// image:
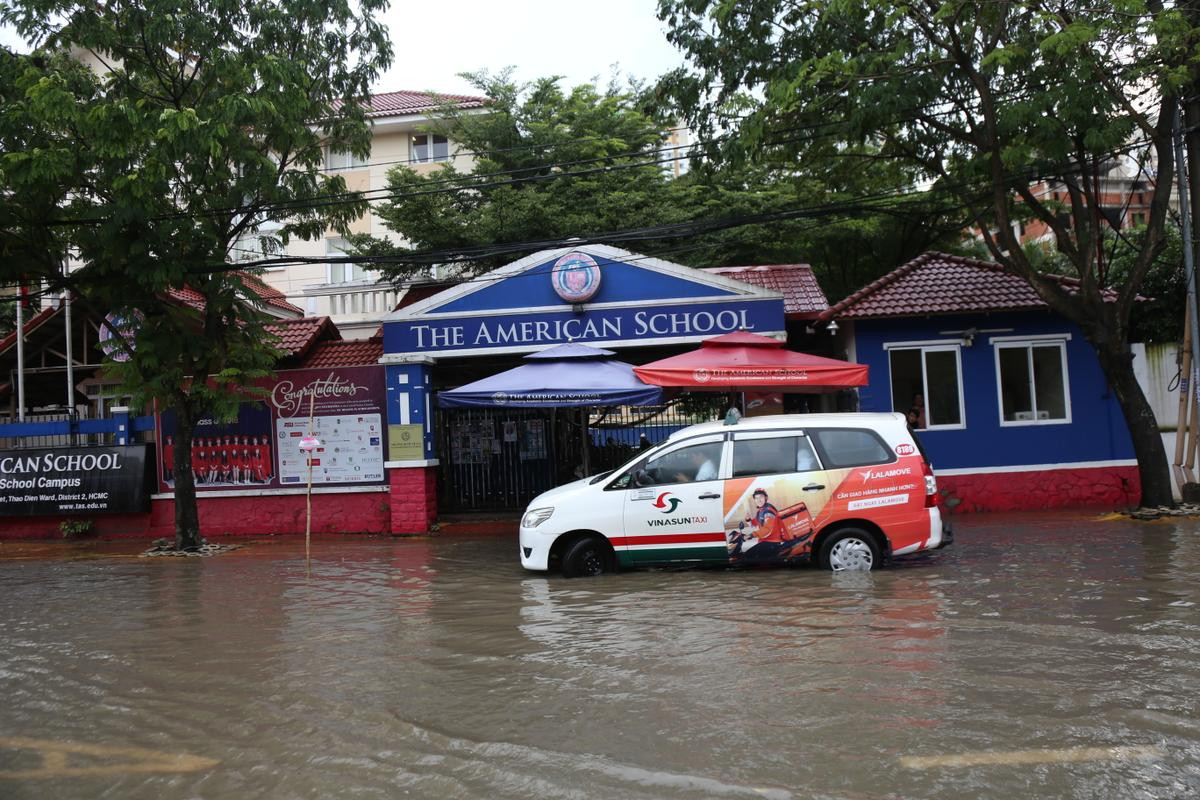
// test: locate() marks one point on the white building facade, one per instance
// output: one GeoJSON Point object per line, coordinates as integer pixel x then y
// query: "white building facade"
{"type": "Point", "coordinates": [354, 297]}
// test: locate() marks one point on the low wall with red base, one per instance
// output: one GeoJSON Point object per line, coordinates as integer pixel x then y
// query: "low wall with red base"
{"type": "Point", "coordinates": [365, 512]}
{"type": "Point", "coordinates": [414, 499]}
{"type": "Point", "coordinates": [1108, 487]}
{"type": "Point", "coordinates": [409, 508]}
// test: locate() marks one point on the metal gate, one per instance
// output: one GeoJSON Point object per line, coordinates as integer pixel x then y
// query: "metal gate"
{"type": "Point", "coordinates": [500, 459]}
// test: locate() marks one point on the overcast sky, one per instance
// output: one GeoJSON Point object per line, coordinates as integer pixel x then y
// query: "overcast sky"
{"type": "Point", "coordinates": [578, 39]}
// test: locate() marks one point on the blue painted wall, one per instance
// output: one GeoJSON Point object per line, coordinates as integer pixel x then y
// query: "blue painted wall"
{"type": "Point", "coordinates": [1097, 430]}
{"type": "Point", "coordinates": [411, 381]}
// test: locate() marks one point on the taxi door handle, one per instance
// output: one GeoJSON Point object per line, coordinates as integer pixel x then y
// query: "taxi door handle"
{"type": "Point", "coordinates": [814, 487]}
{"type": "Point", "coordinates": [709, 496]}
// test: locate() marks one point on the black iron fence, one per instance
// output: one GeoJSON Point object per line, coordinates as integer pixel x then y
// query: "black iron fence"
{"type": "Point", "coordinates": [496, 459]}
{"type": "Point", "coordinates": [500, 459]}
{"type": "Point", "coordinates": [617, 434]}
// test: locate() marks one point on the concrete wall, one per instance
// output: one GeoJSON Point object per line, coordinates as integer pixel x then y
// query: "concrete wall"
{"type": "Point", "coordinates": [1157, 368]}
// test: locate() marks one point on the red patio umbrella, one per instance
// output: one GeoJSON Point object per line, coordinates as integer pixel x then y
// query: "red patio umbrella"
{"type": "Point", "coordinates": [744, 361]}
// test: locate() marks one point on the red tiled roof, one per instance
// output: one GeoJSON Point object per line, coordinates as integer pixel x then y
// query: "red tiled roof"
{"type": "Point", "coordinates": [31, 324]}
{"type": "Point", "coordinates": [188, 297]}
{"type": "Point", "coordinates": [937, 283]}
{"type": "Point", "coordinates": [802, 295]}
{"type": "Point", "coordinates": [391, 104]}
{"type": "Point", "coordinates": [345, 353]}
{"type": "Point", "coordinates": [298, 336]}
{"type": "Point", "coordinates": [270, 296]}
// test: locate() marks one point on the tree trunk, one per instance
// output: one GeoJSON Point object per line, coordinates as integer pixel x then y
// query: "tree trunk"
{"type": "Point", "coordinates": [187, 517]}
{"type": "Point", "coordinates": [1116, 359]}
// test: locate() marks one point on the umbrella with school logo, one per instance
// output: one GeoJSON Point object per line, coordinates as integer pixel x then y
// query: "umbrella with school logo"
{"type": "Point", "coordinates": [567, 375]}
{"type": "Point", "coordinates": [743, 361]}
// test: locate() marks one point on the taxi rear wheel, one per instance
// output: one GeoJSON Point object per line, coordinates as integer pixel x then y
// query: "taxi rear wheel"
{"type": "Point", "coordinates": [587, 557]}
{"type": "Point", "coordinates": [850, 549]}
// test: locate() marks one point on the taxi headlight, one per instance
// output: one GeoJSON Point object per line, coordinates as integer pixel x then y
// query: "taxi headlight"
{"type": "Point", "coordinates": [536, 516]}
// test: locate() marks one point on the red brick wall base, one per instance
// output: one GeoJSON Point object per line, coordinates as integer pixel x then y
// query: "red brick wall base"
{"type": "Point", "coordinates": [410, 508]}
{"type": "Point", "coordinates": [414, 499]}
{"type": "Point", "coordinates": [1107, 487]}
{"type": "Point", "coordinates": [365, 512]}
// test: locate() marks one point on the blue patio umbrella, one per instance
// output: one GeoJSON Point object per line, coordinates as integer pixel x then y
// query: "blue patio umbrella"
{"type": "Point", "coordinates": [567, 375]}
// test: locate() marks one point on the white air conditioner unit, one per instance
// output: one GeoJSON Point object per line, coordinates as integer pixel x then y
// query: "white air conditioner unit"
{"type": "Point", "coordinates": [1043, 415]}
{"type": "Point", "coordinates": [1023, 416]}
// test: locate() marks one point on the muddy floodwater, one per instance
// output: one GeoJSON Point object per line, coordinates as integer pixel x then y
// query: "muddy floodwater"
{"type": "Point", "coordinates": [1040, 656]}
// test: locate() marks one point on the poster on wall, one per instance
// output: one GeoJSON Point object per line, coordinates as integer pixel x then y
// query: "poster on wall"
{"type": "Point", "coordinates": [351, 449]}
{"type": "Point", "coordinates": [406, 442]}
{"type": "Point", "coordinates": [261, 448]}
{"type": "Point", "coordinates": [533, 440]}
{"type": "Point", "coordinates": [224, 455]}
{"type": "Point", "coordinates": [473, 441]}
{"type": "Point", "coordinates": [74, 480]}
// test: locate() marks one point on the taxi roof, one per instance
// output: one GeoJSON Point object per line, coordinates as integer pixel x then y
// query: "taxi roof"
{"type": "Point", "coordinates": [776, 421]}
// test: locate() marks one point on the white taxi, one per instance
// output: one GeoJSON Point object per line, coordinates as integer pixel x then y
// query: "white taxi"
{"type": "Point", "coordinates": [846, 490]}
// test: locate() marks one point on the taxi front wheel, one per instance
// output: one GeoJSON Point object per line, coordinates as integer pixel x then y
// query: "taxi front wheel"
{"type": "Point", "coordinates": [850, 549]}
{"type": "Point", "coordinates": [587, 557]}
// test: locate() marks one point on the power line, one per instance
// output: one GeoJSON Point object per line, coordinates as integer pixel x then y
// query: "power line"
{"type": "Point", "coordinates": [548, 172]}
{"type": "Point", "coordinates": [870, 203]}
{"type": "Point", "coordinates": [674, 230]}
{"type": "Point", "coordinates": [490, 151]}
{"type": "Point", "coordinates": [466, 182]}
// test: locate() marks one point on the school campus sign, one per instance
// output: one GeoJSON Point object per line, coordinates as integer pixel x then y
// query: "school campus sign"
{"type": "Point", "coordinates": [68, 481]}
{"type": "Point", "coordinates": [632, 300]}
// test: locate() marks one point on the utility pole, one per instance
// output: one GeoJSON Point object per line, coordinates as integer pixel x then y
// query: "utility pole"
{"type": "Point", "coordinates": [1191, 139]}
{"type": "Point", "coordinates": [1188, 177]}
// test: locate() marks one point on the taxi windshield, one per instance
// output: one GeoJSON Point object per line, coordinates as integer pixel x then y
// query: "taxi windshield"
{"type": "Point", "coordinates": [624, 472]}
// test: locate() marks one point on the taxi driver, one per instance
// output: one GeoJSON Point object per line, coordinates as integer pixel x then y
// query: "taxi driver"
{"type": "Point", "coordinates": [702, 467]}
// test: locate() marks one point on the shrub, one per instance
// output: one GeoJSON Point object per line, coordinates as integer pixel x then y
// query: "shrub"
{"type": "Point", "coordinates": [76, 528]}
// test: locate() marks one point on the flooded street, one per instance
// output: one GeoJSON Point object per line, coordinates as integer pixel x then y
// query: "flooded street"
{"type": "Point", "coordinates": [439, 668]}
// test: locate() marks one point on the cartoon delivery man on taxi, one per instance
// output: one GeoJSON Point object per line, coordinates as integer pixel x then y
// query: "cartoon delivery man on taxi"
{"type": "Point", "coordinates": [763, 537]}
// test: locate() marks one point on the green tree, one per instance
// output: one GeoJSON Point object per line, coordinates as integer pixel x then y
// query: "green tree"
{"type": "Point", "coordinates": [207, 122]}
{"type": "Point", "coordinates": [553, 164]}
{"type": "Point", "coordinates": [38, 167]}
{"type": "Point", "coordinates": [991, 102]}
{"type": "Point", "coordinates": [1160, 316]}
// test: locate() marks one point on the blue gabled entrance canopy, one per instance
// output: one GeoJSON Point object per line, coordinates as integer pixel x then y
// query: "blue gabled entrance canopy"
{"type": "Point", "coordinates": [591, 294]}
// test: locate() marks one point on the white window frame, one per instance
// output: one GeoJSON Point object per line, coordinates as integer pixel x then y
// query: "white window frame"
{"type": "Point", "coordinates": [352, 161]}
{"type": "Point", "coordinates": [927, 347]}
{"type": "Point", "coordinates": [412, 149]}
{"type": "Point", "coordinates": [1028, 343]}
{"type": "Point", "coordinates": [331, 250]}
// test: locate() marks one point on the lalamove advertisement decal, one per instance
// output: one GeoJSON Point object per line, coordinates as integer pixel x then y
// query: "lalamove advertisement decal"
{"type": "Point", "coordinates": [774, 518]}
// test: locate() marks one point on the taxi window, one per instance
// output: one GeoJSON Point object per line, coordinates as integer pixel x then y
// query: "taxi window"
{"type": "Point", "coordinates": [850, 447]}
{"type": "Point", "coordinates": [699, 462]}
{"type": "Point", "coordinates": [774, 455]}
